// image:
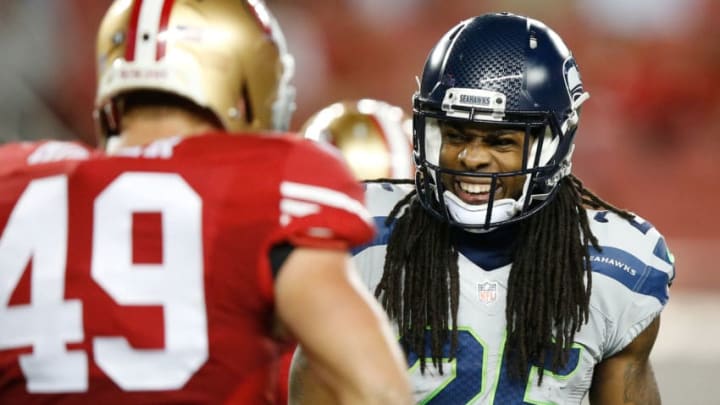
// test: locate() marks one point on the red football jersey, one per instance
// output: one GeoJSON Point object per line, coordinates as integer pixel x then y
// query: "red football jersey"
{"type": "Point", "coordinates": [145, 278]}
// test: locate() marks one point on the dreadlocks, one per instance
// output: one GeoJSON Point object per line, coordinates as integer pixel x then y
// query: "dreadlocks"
{"type": "Point", "coordinates": [548, 287]}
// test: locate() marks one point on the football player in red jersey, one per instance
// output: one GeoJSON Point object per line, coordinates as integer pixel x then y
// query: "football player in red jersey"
{"type": "Point", "coordinates": [174, 268]}
{"type": "Point", "coordinates": [375, 139]}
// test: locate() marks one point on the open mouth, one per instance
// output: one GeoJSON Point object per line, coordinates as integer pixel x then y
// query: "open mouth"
{"type": "Point", "coordinates": [474, 193]}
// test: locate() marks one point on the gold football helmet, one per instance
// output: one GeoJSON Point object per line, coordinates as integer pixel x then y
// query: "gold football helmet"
{"type": "Point", "coordinates": [374, 137]}
{"type": "Point", "coordinates": [228, 56]}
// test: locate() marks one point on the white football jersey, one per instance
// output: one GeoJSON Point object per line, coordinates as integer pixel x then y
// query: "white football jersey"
{"type": "Point", "coordinates": [631, 276]}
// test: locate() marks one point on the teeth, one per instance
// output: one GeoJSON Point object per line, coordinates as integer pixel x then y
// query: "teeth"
{"type": "Point", "coordinates": [475, 188]}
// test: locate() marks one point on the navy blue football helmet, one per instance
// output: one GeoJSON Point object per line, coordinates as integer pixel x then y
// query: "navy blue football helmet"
{"type": "Point", "coordinates": [506, 70]}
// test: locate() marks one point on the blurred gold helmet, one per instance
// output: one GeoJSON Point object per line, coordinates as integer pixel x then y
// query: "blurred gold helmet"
{"type": "Point", "coordinates": [374, 137]}
{"type": "Point", "coordinates": [227, 56]}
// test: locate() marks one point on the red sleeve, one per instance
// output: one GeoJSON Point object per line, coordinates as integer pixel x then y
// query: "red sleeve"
{"type": "Point", "coordinates": [321, 203]}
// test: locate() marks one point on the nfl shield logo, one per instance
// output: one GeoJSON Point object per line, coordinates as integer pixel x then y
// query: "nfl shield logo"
{"type": "Point", "coordinates": [487, 292]}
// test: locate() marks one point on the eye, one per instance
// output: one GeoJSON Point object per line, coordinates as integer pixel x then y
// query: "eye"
{"type": "Point", "coordinates": [501, 141]}
{"type": "Point", "coordinates": [454, 136]}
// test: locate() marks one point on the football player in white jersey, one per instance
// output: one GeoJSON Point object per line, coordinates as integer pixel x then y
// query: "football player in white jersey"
{"type": "Point", "coordinates": [509, 282]}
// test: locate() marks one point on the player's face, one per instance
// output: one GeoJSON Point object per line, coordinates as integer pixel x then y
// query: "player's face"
{"type": "Point", "coordinates": [481, 148]}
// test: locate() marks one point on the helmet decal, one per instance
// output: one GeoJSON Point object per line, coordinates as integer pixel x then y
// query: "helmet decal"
{"type": "Point", "coordinates": [573, 81]}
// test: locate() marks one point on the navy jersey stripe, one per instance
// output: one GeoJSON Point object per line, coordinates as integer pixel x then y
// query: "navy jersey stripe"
{"type": "Point", "coordinates": [631, 272]}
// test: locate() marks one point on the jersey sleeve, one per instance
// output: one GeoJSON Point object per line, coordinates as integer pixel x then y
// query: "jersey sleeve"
{"type": "Point", "coordinates": [381, 198]}
{"type": "Point", "coordinates": [321, 203]}
{"type": "Point", "coordinates": [369, 258]}
{"type": "Point", "coordinates": [632, 276]}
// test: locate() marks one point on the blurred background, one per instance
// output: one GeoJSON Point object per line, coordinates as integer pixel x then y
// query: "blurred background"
{"type": "Point", "coordinates": [648, 141]}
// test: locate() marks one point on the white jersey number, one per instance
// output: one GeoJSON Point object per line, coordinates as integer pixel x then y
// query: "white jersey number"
{"type": "Point", "coordinates": [37, 231]}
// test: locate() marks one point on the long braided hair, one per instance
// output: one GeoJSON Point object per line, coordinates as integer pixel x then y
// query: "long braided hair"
{"type": "Point", "coordinates": [548, 288]}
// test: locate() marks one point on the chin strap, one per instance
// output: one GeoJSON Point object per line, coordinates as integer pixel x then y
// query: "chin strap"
{"type": "Point", "coordinates": [475, 215]}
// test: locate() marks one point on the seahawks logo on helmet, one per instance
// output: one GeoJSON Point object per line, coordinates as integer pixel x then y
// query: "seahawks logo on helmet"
{"type": "Point", "coordinates": [572, 80]}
